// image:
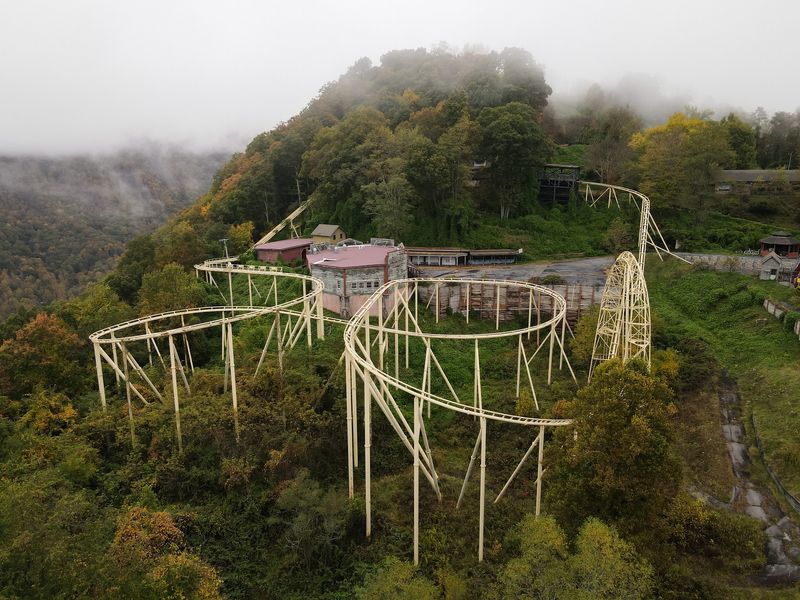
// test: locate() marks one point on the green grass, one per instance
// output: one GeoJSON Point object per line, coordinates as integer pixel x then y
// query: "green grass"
{"type": "Point", "coordinates": [572, 154]}
{"type": "Point", "coordinates": [724, 309]}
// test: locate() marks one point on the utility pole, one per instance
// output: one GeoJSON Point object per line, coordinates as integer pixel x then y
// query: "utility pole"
{"type": "Point", "coordinates": [266, 205]}
{"type": "Point", "coordinates": [224, 242]}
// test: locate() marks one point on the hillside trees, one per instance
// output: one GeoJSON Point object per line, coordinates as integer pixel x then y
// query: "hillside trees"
{"type": "Point", "coordinates": [603, 565]}
{"type": "Point", "coordinates": [514, 144]}
{"type": "Point", "coordinates": [170, 288]}
{"type": "Point", "coordinates": [778, 140]}
{"type": "Point", "coordinates": [681, 157]}
{"type": "Point", "coordinates": [609, 150]}
{"type": "Point", "coordinates": [742, 139]}
{"type": "Point", "coordinates": [619, 466]}
{"type": "Point", "coordinates": [44, 352]}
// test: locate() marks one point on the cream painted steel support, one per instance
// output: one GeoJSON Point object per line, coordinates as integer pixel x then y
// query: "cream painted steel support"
{"type": "Point", "coordinates": [623, 325]}
{"type": "Point", "coordinates": [128, 394]}
{"type": "Point", "coordinates": [436, 291]}
{"type": "Point", "coordinates": [552, 335]}
{"type": "Point", "coordinates": [517, 469]}
{"type": "Point", "coordinates": [280, 341]}
{"type": "Point", "coordinates": [368, 460]}
{"type": "Point", "coordinates": [234, 398]}
{"type": "Point", "coordinates": [539, 471]}
{"type": "Point", "coordinates": [176, 402]}
{"type": "Point", "coordinates": [114, 356]}
{"type": "Point", "coordinates": [117, 370]}
{"type": "Point", "coordinates": [379, 375]}
{"type": "Point", "coordinates": [101, 385]}
{"type": "Point", "coordinates": [483, 490]}
{"type": "Point", "coordinates": [472, 458]}
{"type": "Point", "coordinates": [466, 310]}
{"type": "Point", "coordinates": [497, 309]}
{"type": "Point", "coordinates": [417, 410]}
{"type": "Point", "coordinates": [348, 402]}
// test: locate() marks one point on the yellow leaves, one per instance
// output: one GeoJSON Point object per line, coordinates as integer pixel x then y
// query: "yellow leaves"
{"type": "Point", "coordinates": [142, 535]}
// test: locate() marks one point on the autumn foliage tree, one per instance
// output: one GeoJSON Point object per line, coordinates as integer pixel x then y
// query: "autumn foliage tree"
{"type": "Point", "coordinates": [618, 466]}
{"type": "Point", "coordinates": [46, 353]}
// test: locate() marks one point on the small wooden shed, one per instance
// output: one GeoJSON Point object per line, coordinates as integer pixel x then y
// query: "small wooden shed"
{"type": "Point", "coordinates": [327, 234]}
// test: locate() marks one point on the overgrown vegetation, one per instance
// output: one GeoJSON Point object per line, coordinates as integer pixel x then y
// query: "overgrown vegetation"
{"type": "Point", "coordinates": [430, 148]}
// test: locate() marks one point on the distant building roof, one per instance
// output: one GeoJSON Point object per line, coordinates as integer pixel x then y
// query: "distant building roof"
{"type": "Point", "coordinates": [285, 244]}
{"type": "Point", "coordinates": [753, 175]}
{"type": "Point", "coordinates": [783, 238]}
{"type": "Point", "coordinates": [431, 250]}
{"type": "Point", "coordinates": [496, 252]}
{"type": "Point", "coordinates": [324, 229]}
{"type": "Point", "coordinates": [348, 257]}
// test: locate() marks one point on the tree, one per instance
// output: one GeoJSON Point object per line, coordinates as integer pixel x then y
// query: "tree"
{"type": "Point", "coordinates": [742, 139]}
{"type": "Point", "coordinates": [603, 565]}
{"type": "Point", "coordinates": [618, 236]}
{"type": "Point", "coordinates": [609, 152]}
{"type": "Point", "coordinates": [178, 242]}
{"type": "Point", "coordinates": [618, 466]}
{"type": "Point", "coordinates": [388, 202]}
{"type": "Point", "coordinates": [44, 353]}
{"type": "Point", "coordinates": [514, 145]}
{"type": "Point", "coordinates": [171, 288]}
{"type": "Point", "coordinates": [99, 306]}
{"type": "Point", "coordinates": [240, 237]}
{"type": "Point", "coordinates": [399, 580]}
{"type": "Point", "coordinates": [680, 158]}
{"type": "Point", "coordinates": [139, 258]}
{"type": "Point", "coordinates": [582, 345]}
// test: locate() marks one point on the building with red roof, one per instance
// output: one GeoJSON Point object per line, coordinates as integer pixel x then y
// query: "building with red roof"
{"type": "Point", "coordinates": [352, 273]}
{"type": "Point", "coordinates": [286, 251]}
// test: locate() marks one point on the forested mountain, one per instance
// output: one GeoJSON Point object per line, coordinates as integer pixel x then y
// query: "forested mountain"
{"type": "Point", "coordinates": [428, 147]}
{"type": "Point", "coordinates": [66, 220]}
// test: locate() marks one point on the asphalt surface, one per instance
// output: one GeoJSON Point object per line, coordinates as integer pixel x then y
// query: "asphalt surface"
{"type": "Point", "coordinates": [578, 270]}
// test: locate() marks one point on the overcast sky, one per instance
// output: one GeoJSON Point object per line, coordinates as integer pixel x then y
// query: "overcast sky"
{"type": "Point", "coordinates": [92, 75]}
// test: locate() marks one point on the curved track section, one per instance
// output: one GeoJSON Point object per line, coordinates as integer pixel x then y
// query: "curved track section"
{"type": "Point", "coordinates": [388, 325]}
{"type": "Point", "coordinates": [292, 311]}
{"type": "Point", "coordinates": [649, 233]}
{"type": "Point", "coordinates": [623, 325]}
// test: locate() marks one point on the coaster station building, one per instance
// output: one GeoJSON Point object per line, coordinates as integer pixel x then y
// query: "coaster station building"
{"type": "Point", "coordinates": [352, 273]}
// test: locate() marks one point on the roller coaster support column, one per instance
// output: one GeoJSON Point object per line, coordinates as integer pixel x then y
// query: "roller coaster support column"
{"type": "Point", "coordinates": [320, 316]}
{"type": "Point", "coordinates": [417, 410]}
{"type": "Point", "coordinates": [234, 399]}
{"type": "Point", "coordinates": [539, 471]}
{"type": "Point", "coordinates": [348, 374]}
{"type": "Point", "coordinates": [367, 459]}
{"type": "Point", "coordinates": [176, 402]}
{"type": "Point", "coordinates": [128, 393]}
{"type": "Point", "coordinates": [101, 385]}
{"type": "Point", "coordinates": [483, 488]}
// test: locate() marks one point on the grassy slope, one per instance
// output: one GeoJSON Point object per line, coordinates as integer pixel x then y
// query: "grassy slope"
{"type": "Point", "coordinates": [764, 357]}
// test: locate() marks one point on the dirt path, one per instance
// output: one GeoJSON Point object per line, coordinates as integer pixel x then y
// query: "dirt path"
{"type": "Point", "coordinates": [783, 534]}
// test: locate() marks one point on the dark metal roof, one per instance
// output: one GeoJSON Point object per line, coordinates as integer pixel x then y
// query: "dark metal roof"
{"type": "Point", "coordinates": [781, 238]}
{"type": "Point", "coordinates": [754, 175]}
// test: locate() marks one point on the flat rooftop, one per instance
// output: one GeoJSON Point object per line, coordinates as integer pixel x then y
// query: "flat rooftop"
{"type": "Point", "coordinates": [348, 257]}
{"type": "Point", "coordinates": [285, 244]}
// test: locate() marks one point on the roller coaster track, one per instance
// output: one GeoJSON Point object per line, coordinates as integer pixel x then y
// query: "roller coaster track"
{"type": "Point", "coordinates": [387, 326]}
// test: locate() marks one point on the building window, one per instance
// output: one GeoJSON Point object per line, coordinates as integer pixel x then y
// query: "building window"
{"type": "Point", "coordinates": [361, 285]}
{"type": "Point", "coordinates": [369, 284]}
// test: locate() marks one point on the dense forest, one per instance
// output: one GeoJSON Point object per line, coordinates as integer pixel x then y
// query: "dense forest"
{"type": "Point", "coordinates": [66, 220]}
{"type": "Point", "coordinates": [89, 507]}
